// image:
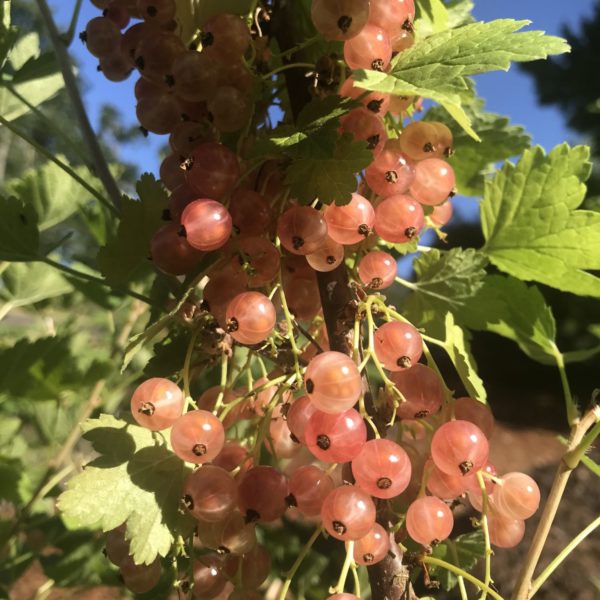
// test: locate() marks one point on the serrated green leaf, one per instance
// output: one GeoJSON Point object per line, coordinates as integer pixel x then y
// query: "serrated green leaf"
{"type": "Point", "coordinates": [140, 219]}
{"type": "Point", "coordinates": [512, 309]}
{"type": "Point", "coordinates": [136, 480]}
{"type": "Point", "coordinates": [9, 426]}
{"type": "Point", "coordinates": [471, 160]}
{"type": "Point", "coordinates": [463, 552]}
{"type": "Point", "coordinates": [332, 179]}
{"type": "Point", "coordinates": [530, 222]}
{"type": "Point", "coordinates": [435, 15]}
{"type": "Point", "coordinates": [53, 194]}
{"type": "Point", "coordinates": [438, 66]}
{"type": "Point", "coordinates": [37, 67]}
{"type": "Point", "coordinates": [19, 233]}
{"type": "Point", "coordinates": [458, 349]}
{"type": "Point", "coordinates": [446, 280]}
{"type": "Point", "coordinates": [28, 283]}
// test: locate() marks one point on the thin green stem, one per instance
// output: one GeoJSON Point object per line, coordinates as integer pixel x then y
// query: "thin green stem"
{"type": "Point", "coordinates": [341, 584]}
{"type": "Point", "coordinates": [289, 319]}
{"type": "Point", "coordinates": [5, 309]}
{"type": "Point", "coordinates": [298, 562]}
{"type": "Point", "coordinates": [222, 383]}
{"type": "Point", "coordinates": [297, 65]}
{"type": "Point", "coordinates": [461, 581]}
{"type": "Point", "coordinates": [570, 405]}
{"type": "Point", "coordinates": [64, 61]}
{"type": "Point", "coordinates": [354, 570]}
{"type": "Point", "coordinates": [563, 472]}
{"type": "Point", "coordinates": [70, 34]}
{"type": "Point", "coordinates": [437, 562]}
{"type": "Point", "coordinates": [66, 168]}
{"type": "Point", "coordinates": [187, 363]}
{"type": "Point", "coordinates": [562, 555]}
{"type": "Point", "coordinates": [93, 278]}
{"type": "Point", "coordinates": [486, 534]}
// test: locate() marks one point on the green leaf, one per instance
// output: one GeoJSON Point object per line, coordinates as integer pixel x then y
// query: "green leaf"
{"type": "Point", "coordinates": [323, 164]}
{"type": "Point", "coordinates": [332, 179]}
{"type": "Point", "coordinates": [463, 552]}
{"type": "Point", "coordinates": [26, 48]}
{"type": "Point", "coordinates": [28, 283]}
{"type": "Point", "coordinates": [471, 160]}
{"type": "Point", "coordinates": [37, 67]}
{"type": "Point", "coordinates": [438, 66]}
{"type": "Point", "coordinates": [435, 15]}
{"type": "Point", "coordinates": [446, 280]}
{"type": "Point", "coordinates": [10, 476]}
{"type": "Point", "coordinates": [52, 193]}
{"type": "Point", "coordinates": [530, 222]}
{"type": "Point", "coordinates": [140, 219]}
{"type": "Point", "coordinates": [458, 349]}
{"type": "Point", "coordinates": [48, 368]}
{"type": "Point", "coordinates": [19, 233]}
{"type": "Point", "coordinates": [514, 310]}
{"type": "Point", "coordinates": [8, 36]}
{"type": "Point", "coordinates": [35, 91]}
{"type": "Point", "coordinates": [136, 480]}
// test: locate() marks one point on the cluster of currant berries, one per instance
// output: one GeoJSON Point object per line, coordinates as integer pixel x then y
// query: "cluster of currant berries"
{"type": "Point", "coordinates": [229, 494]}
{"type": "Point", "coordinates": [436, 452]}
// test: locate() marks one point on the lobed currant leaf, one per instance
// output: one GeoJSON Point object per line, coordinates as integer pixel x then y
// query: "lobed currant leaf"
{"type": "Point", "coordinates": [438, 66]}
{"type": "Point", "coordinates": [531, 224]}
{"type": "Point", "coordinates": [446, 280]}
{"type": "Point", "coordinates": [130, 248]}
{"type": "Point", "coordinates": [135, 480]}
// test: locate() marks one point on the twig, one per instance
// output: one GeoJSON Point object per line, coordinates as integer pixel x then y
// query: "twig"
{"type": "Point", "coordinates": [436, 562]}
{"type": "Point", "coordinates": [578, 431]}
{"type": "Point", "coordinates": [100, 164]}
{"type": "Point", "coordinates": [560, 557]}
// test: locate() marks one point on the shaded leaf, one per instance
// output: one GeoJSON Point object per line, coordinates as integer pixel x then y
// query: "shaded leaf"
{"type": "Point", "coordinates": [140, 219]}
{"type": "Point", "coordinates": [136, 480]}
{"type": "Point", "coordinates": [19, 233]}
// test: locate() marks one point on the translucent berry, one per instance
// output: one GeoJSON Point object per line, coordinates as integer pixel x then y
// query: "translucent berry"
{"type": "Point", "coordinates": [399, 219]}
{"type": "Point", "coordinates": [429, 520]}
{"type": "Point", "coordinates": [373, 547]}
{"type": "Point", "coordinates": [350, 223]}
{"type": "Point", "coordinates": [250, 318]}
{"type": "Point", "coordinates": [262, 493]}
{"type": "Point", "coordinates": [207, 224]}
{"type": "Point", "coordinates": [459, 447]}
{"type": "Point", "coordinates": [336, 438]}
{"type": "Point", "coordinates": [302, 230]}
{"type": "Point", "coordinates": [333, 382]}
{"type": "Point", "coordinates": [398, 345]}
{"type": "Point", "coordinates": [377, 270]}
{"type": "Point", "coordinates": [348, 513]}
{"type": "Point", "coordinates": [197, 437]}
{"type": "Point", "coordinates": [309, 486]}
{"type": "Point", "coordinates": [157, 403]}
{"type": "Point", "coordinates": [382, 468]}
{"type": "Point", "coordinates": [423, 390]}
{"type": "Point", "coordinates": [518, 497]}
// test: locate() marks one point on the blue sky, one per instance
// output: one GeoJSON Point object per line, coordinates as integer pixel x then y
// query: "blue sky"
{"type": "Point", "coordinates": [510, 94]}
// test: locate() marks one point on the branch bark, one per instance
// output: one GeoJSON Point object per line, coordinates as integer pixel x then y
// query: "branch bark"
{"type": "Point", "coordinates": [389, 579]}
